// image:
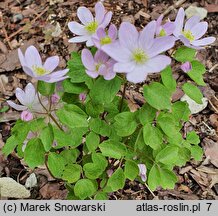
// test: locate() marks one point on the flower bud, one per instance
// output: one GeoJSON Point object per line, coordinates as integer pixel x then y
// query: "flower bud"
{"type": "Point", "coordinates": [26, 115]}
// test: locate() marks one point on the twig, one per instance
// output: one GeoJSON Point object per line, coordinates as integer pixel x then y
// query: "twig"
{"type": "Point", "coordinates": [213, 106]}
{"type": "Point", "coordinates": [150, 190]}
{"type": "Point", "coordinates": [32, 22]}
{"type": "Point", "coordinates": [177, 4]}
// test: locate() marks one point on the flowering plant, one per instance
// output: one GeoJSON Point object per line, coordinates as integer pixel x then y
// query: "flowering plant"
{"type": "Point", "coordinates": [84, 131]}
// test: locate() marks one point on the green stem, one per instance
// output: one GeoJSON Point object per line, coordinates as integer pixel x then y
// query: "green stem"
{"type": "Point", "coordinates": [123, 95]}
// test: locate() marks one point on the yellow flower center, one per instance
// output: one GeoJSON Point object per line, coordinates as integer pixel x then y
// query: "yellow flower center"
{"type": "Point", "coordinates": [139, 56]}
{"type": "Point", "coordinates": [188, 34]}
{"type": "Point", "coordinates": [97, 66]}
{"type": "Point", "coordinates": [105, 40]}
{"type": "Point", "coordinates": [40, 71]}
{"type": "Point", "coordinates": [162, 33]}
{"type": "Point", "coordinates": [92, 27]}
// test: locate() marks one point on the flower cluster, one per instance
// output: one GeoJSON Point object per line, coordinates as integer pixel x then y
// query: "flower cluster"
{"type": "Point", "coordinates": [128, 51]}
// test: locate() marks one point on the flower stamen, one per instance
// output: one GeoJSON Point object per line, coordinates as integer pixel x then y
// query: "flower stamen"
{"type": "Point", "coordinates": [91, 27]}
{"type": "Point", "coordinates": [188, 34]}
{"type": "Point", "coordinates": [139, 56]}
{"type": "Point", "coordinates": [39, 70]}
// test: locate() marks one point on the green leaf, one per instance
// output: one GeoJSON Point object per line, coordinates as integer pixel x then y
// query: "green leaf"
{"type": "Point", "coordinates": [76, 69]}
{"type": "Point", "coordinates": [75, 88]}
{"type": "Point", "coordinates": [101, 196]}
{"type": "Point", "coordinates": [168, 155]}
{"type": "Point", "coordinates": [99, 159]}
{"type": "Point", "coordinates": [184, 156]}
{"type": "Point", "coordinates": [45, 88]}
{"type": "Point", "coordinates": [168, 125]}
{"type": "Point", "coordinates": [184, 54]}
{"type": "Point", "coordinates": [180, 111]}
{"type": "Point", "coordinates": [104, 91]}
{"type": "Point", "coordinates": [94, 109]}
{"type": "Point", "coordinates": [72, 116]}
{"type": "Point", "coordinates": [117, 180]}
{"type": "Point", "coordinates": [152, 136]}
{"type": "Point", "coordinates": [146, 114]}
{"type": "Point", "coordinates": [160, 176]}
{"type": "Point", "coordinates": [196, 73]}
{"type": "Point", "coordinates": [19, 134]}
{"type": "Point", "coordinates": [125, 123]}
{"type": "Point", "coordinates": [197, 152]}
{"type": "Point", "coordinates": [158, 96]}
{"type": "Point", "coordinates": [193, 138]}
{"type": "Point", "coordinates": [70, 155]}
{"type": "Point", "coordinates": [84, 188]}
{"type": "Point", "coordinates": [34, 154]}
{"type": "Point", "coordinates": [72, 173]}
{"type": "Point", "coordinates": [131, 170]}
{"type": "Point", "coordinates": [113, 149]}
{"type": "Point", "coordinates": [4, 109]}
{"type": "Point", "coordinates": [92, 170]}
{"type": "Point", "coordinates": [154, 179]}
{"type": "Point", "coordinates": [47, 137]}
{"type": "Point", "coordinates": [56, 164]}
{"type": "Point", "coordinates": [100, 127]}
{"type": "Point", "coordinates": [92, 141]}
{"type": "Point", "coordinates": [168, 80]}
{"type": "Point", "coordinates": [193, 92]}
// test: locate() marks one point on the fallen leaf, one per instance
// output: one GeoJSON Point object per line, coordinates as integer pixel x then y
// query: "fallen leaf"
{"type": "Point", "coordinates": [212, 8]}
{"type": "Point", "coordinates": [211, 151]}
{"type": "Point", "coordinates": [31, 181]}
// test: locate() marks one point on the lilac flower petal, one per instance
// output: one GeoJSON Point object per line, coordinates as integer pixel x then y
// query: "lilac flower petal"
{"type": "Point", "coordinates": [102, 70]}
{"type": "Point", "coordinates": [26, 116]}
{"type": "Point", "coordinates": [55, 98]}
{"type": "Point", "coordinates": [184, 40]}
{"type": "Point", "coordinates": [28, 71]}
{"type": "Point", "coordinates": [30, 94]}
{"type": "Point", "coordinates": [179, 22]}
{"type": "Point", "coordinates": [20, 95]}
{"type": "Point", "coordinates": [124, 67]}
{"type": "Point", "coordinates": [191, 22]}
{"type": "Point", "coordinates": [161, 44]}
{"type": "Point", "coordinates": [128, 36]}
{"type": "Point", "coordinates": [79, 39]}
{"type": "Point", "coordinates": [96, 42]}
{"type": "Point", "coordinates": [21, 57]}
{"type": "Point", "coordinates": [112, 32]}
{"type": "Point", "coordinates": [85, 15]}
{"type": "Point", "coordinates": [137, 75]}
{"type": "Point", "coordinates": [16, 106]}
{"type": "Point", "coordinates": [99, 12]}
{"type": "Point", "coordinates": [54, 80]}
{"type": "Point", "coordinates": [142, 171]}
{"type": "Point", "coordinates": [32, 57]}
{"type": "Point", "coordinates": [110, 74]}
{"type": "Point", "coordinates": [157, 63]}
{"type": "Point", "coordinates": [92, 74]}
{"type": "Point", "coordinates": [88, 60]}
{"type": "Point", "coordinates": [51, 63]}
{"type": "Point", "coordinates": [146, 37]}
{"type": "Point", "coordinates": [55, 76]}
{"type": "Point", "coordinates": [101, 57]}
{"type": "Point", "coordinates": [159, 20]}
{"type": "Point", "coordinates": [101, 33]}
{"type": "Point", "coordinates": [89, 42]}
{"type": "Point", "coordinates": [169, 27]}
{"type": "Point", "coordinates": [199, 30]}
{"type": "Point", "coordinates": [107, 19]}
{"type": "Point", "coordinates": [117, 52]}
{"type": "Point", "coordinates": [77, 28]}
{"type": "Point", "coordinates": [204, 41]}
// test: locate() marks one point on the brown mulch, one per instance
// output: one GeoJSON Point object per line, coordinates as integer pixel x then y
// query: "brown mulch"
{"type": "Point", "coordinates": [27, 22]}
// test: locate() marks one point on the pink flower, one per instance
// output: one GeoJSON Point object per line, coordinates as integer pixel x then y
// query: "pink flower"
{"type": "Point", "coordinates": [26, 115]}
{"type": "Point", "coordinates": [139, 54]}
{"type": "Point", "coordinates": [186, 67]}
{"type": "Point", "coordinates": [55, 98]}
{"type": "Point", "coordinates": [101, 64]}
{"type": "Point", "coordinates": [27, 98]}
{"type": "Point", "coordinates": [32, 66]}
{"type": "Point", "coordinates": [165, 29]}
{"type": "Point", "coordinates": [82, 97]}
{"type": "Point", "coordinates": [193, 30]}
{"type": "Point", "coordinates": [104, 37]}
{"type": "Point", "coordinates": [89, 24]}
{"type": "Point", "coordinates": [142, 171]}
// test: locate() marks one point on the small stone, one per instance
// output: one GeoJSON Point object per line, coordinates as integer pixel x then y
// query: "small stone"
{"type": "Point", "coordinates": [17, 18]}
{"type": "Point", "coordinates": [193, 106]}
